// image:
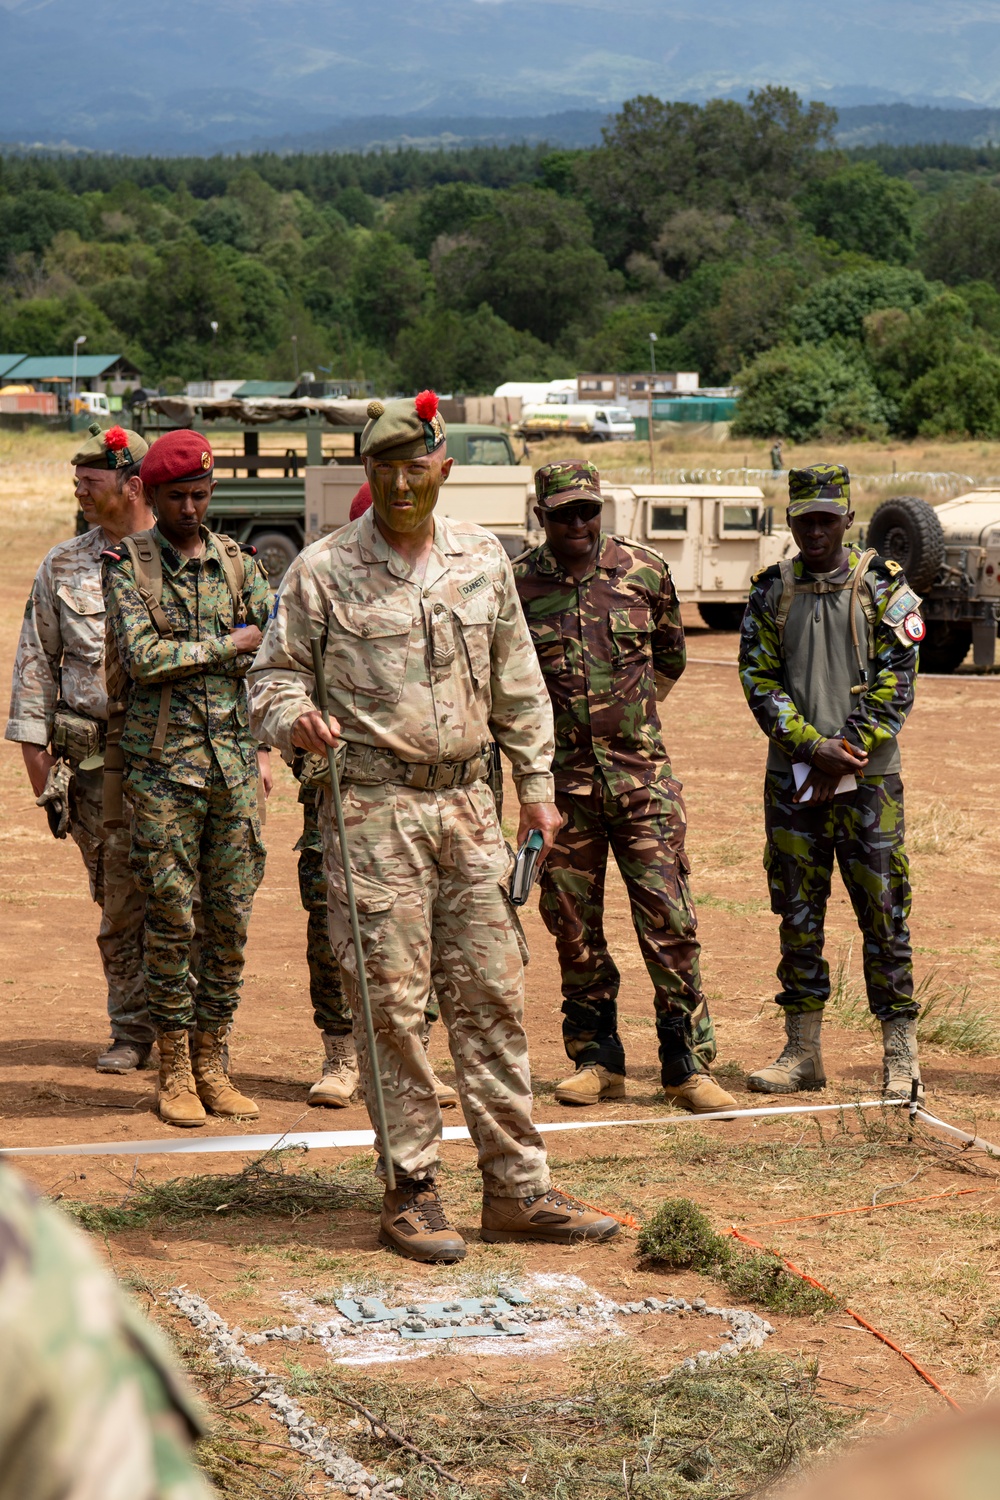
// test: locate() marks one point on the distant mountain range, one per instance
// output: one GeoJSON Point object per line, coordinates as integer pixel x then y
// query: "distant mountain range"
{"type": "Point", "coordinates": [327, 74]}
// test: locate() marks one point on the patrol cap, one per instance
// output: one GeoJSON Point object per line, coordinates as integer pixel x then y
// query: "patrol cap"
{"type": "Point", "coordinates": [562, 483]}
{"type": "Point", "coordinates": [114, 449]}
{"type": "Point", "coordinates": [177, 457]}
{"type": "Point", "coordinates": [403, 429]}
{"type": "Point", "coordinates": [821, 487]}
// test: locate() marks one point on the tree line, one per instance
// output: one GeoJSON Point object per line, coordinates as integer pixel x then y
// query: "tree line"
{"type": "Point", "coordinates": [847, 294]}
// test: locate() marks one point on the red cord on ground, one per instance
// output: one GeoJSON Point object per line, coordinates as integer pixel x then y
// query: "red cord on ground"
{"type": "Point", "coordinates": [625, 1219]}
{"type": "Point", "coordinates": [870, 1208]}
{"type": "Point", "coordinates": [883, 1338]}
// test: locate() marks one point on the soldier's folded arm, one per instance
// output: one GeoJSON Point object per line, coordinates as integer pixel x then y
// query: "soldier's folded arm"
{"type": "Point", "coordinates": [763, 681]}
{"type": "Point", "coordinates": [521, 712]}
{"type": "Point", "coordinates": [669, 649]}
{"type": "Point", "coordinates": [147, 656]}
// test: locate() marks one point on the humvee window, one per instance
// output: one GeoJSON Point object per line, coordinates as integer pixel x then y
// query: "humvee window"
{"type": "Point", "coordinates": [488, 450]}
{"type": "Point", "coordinates": [740, 518]}
{"type": "Point", "coordinates": [665, 520]}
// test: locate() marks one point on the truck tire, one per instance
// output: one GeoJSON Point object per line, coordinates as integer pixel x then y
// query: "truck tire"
{"type": "Point", "coordinates": [907, 530]}
{"type": "Point", "coordinates": [945, 646]}
{"type": "Point", "coordinates": [722, 616]}
{"type": "Point", "coordinates": [276, 552]}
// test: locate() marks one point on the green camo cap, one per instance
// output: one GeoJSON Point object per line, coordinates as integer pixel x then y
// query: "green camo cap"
{"type": "Point", "coordinates": [821, 487]}
{"type": "Point", "coordinates": [114, 449]}
{"type": "Point", "coordinates": [562, 483]}
{"type": "Point", "coordinates": [403, 429]}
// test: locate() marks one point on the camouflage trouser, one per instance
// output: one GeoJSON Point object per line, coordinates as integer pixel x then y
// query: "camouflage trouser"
{"type": "Point", "coordinates": [645, 831]}
{"type": "Point", "coordinates": [864, 831]}
{"type": "Point", "coordinates": [428, 870]}
{"type": "Point", "coordinates": [331, 1011]}
{"type": "Point", "coordinates": [180, 834]}
{"type": "Point", "coordinates": [123, 908]}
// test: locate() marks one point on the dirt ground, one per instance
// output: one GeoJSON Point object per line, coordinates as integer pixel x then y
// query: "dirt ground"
{"type": "Point", "coordinates": [926, 1274]}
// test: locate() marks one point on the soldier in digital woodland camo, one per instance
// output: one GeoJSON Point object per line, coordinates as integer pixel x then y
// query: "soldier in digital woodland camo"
{"type": "Point", "coordinates": [91, 1403]}
{"type": "Point", "coordinates": [828, 658]}
{"type": "Point", "coordinates": [59, 713]}
{"type": "Point", "coordinates": [606, 624]}
{"type": "Point", "coordinates": [427, 659]}
{"type": "Point", "coordinates": [190, 765]}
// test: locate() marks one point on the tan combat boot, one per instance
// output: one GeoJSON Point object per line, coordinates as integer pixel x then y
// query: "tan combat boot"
{"type": "Point", "coordinates": [413, 1221]}
{"type": "Point", "coordinates": [553, 1217]}
{"type": "Point", "coordinates": [177, 1101]}
{"type": "Point", "coordinates": [447, 1097]}
{"type": "Point", "coordinates": [900, 1064]}
{"type": "Point", "coordinates": [590, 1084]}
{"type": "Point", "coordinates": [212, 1081]}
{"type": "Point", "coordinates": [800, 1065]}
{"type": "Point", "coordinates": [700, 1095]}
{"type": "Point", "coordinates": [340, 1073]}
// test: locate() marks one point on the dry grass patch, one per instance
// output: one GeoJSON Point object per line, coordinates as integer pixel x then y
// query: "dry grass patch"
{"type": "Point", "coordinates": [937, 827]}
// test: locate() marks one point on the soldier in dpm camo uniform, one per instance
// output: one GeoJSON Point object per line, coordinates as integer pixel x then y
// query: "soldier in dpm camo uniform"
{"type": "Point", "coordinates": [828, 658]}
{"type": "Point", "coordinates": [91, 1401]}
{"type": "Point", "coordinates": [606, 624]}
{"type": "Point", "coordinates": [59, 713]}
{"type": "Point", "coordinates": [427, 659]}
{"type": "Point", "coordinates": [191, 768]}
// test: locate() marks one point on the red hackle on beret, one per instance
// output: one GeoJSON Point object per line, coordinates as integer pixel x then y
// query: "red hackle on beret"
{"type": "Point", "coordinates": [361, 502]}
{"type": "Point", "coordinates": [425, 405]}
{"type": "Point", "coordinates": [116, 438]}
{"type": "Point", "coordinates": [177, 456]}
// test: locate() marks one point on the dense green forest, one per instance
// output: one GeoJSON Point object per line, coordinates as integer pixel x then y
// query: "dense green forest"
{"type": "Point", "coordinates": [848, 294]}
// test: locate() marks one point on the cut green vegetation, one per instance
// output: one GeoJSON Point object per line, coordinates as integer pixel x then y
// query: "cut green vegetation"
{"type": "Point", "coordinates": [680, 1237]}
{"type": "Point", "coordinates": [264, 1188]}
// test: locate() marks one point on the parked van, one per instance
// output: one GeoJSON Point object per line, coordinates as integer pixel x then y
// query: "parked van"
{"type": "Point", "coordinates": [591, 424]}
{"type": "Point", "coordinates": [91, 403]}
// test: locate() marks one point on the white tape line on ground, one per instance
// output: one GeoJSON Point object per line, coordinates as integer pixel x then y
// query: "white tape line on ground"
{"type": "Point", "coordinates": [961, 1135]}
{"type": "Point", "coordinates": [340, 1140]}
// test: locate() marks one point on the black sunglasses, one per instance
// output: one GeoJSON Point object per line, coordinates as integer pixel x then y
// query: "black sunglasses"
{"type": "Point", "coordinates": [585, 510]}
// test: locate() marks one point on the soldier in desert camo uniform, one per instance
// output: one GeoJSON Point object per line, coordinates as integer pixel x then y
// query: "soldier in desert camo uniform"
{"type": "Point", "coordinates": [59, 713]}
{"type": "Point", "coordinates": [191, 771]}
{"type": "Point", "coordinates": [91, 1403]}
{"type": "Point", "coordinates": [832, 696]}
{"type": "Point", "coordinates": [606, 624]}
{"type": "Point", "coordinates": [427, 659]}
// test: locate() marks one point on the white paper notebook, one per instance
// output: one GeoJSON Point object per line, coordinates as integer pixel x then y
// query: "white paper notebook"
{"type": "Point", "coordinates": [800, 770]}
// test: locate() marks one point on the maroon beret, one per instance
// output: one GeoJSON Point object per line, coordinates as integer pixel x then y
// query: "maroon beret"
{"type": "Point", "coordinates": [177, 456]}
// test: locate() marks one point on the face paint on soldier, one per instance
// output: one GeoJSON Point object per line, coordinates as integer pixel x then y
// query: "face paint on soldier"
{"type": "Point", "coordinates": [820, 538]}
{"type": "Point", "coordinates": [180, 507]}
{"type": "Point", "coordinates": [405, 491]}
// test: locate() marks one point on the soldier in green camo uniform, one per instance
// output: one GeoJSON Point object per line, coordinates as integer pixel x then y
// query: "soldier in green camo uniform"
{"type": "Point", "coordinates": [331, 1011]}
{"type": "Point", "coordinates": [828, 659]}
{"type": "Point", "coordinates": [90, 1402]}
{"type": "Point", "coordinates": [191, 772]}
{"type": "Point", "coordinates": [606, 624]}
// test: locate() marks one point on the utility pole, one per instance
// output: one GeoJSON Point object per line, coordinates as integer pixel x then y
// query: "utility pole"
{"type": "Point", "coordinates": [295, 356]}
{"type": "Point", "coordinates": [652, 374]}
{"type": "Point", "coordinates": [80, 339]}
{"type": "Point", "coordinates": [211, 368]}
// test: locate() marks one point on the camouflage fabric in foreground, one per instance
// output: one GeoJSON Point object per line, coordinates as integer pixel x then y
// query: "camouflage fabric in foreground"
{"type": "Point", "coordinates": [91, 1406]}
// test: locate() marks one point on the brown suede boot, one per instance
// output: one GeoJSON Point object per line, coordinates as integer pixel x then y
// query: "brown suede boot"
{"type": "Point", "coordinates": [340, 1073]}
{"type": "Point", "coordinates": [177, 1101]}
{"type": "Point", "coordinates": [413, 1221]}
{"type": "Point", "coordinates": [212, 1081]}
{"type": "Point", "coordinates": [590, 1084]}
{"type": "Point", "coordinates": [553, 1216]}
{"type": "Point", "coordinates": [447, 1097]}
{"type": "Point", "coordinates": [700, 1095]}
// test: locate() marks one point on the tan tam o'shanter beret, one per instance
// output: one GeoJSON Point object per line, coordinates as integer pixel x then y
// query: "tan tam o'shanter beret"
{"type": "Point", "coordinates": [114, 449]}
{"type": "Point", "coordinates": [403, 429]}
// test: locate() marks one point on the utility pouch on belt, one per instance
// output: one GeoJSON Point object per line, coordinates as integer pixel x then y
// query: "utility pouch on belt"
{"type": "Point", "coordinates": [76, 738]}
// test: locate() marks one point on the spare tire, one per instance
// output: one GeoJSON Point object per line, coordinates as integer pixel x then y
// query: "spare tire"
{"type": "Point", "coordinates": [907, 530]}
{"type": "Point", "coordinates": [722, 616]}
{"type": "Point", "coordinates": [945, 646]}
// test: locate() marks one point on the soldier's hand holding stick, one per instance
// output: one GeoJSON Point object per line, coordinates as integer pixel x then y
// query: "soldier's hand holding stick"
{"type": "Point", "coordinates": [352, 907]}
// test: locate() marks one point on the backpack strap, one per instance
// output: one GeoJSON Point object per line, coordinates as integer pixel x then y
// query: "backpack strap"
{"type": "Point", "coordinates": [231, 555]}
{"type": "Point", "coordinates": [862, 659]}
{"type": "Point", "coordinates": [787, 570]}
{"type": "Point", "coordinates": [147, 567]}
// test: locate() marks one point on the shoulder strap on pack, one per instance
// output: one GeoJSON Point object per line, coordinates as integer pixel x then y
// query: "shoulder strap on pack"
{"type": "Point", "coordinates": [861, 657]}
{"type": "Point", "coordinates": [234, 568]}
{"type": "Point", "coordinates": [147, 565]}
{"type": "Point", "coordinates": [786, 568]}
